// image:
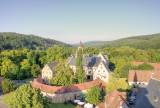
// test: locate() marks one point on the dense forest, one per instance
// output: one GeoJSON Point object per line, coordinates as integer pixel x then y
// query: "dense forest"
{"type": "Point", "coordinates": [142, 42]}
{"type": "Point", "coordinates": [9, 40]}
{"type": "Point", "coordinates": [26, 63]}
{"type": "Point", "coordinates": [23, 63]}
{"type": "Point", "coordinates": [26, 57]}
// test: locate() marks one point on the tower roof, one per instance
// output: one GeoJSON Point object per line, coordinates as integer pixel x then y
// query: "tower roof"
{"type": "Point", "coordinates": [81, 44]}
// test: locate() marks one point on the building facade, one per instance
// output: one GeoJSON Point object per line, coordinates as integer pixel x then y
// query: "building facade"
{"type": "Point", "coordinates": [48, 71]}
{"type": "Point", "coordinates": [96, 66]}
{"type": "Point", "coordinates": [93, 66]}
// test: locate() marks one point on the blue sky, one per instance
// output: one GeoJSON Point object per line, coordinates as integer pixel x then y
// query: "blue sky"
{"type": "Point", "coordinates": [86, 20]}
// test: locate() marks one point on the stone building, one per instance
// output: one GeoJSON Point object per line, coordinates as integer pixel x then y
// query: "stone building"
{"type": "Point", "coordinates": [60, 94]}
{"type": "Point", "coordinates": [48, 71]}
{"type": "Point", "coordinates": [93, 66]}
{"type": "Point", "coordinates": [96, 66]}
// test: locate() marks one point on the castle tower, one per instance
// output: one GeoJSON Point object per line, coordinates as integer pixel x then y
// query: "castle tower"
{"type": "Point", "coordinates": [81, 47]}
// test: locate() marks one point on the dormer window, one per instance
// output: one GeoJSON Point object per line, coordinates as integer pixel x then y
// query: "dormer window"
{"type": "Point", "coordinates": [89, 72]}
{"type": "Point", "coordinates": [156, 99]}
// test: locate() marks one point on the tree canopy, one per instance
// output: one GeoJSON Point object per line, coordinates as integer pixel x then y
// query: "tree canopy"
{"type": "Point", "coordinates": [7, 86]}
{"type": "Point", "coordinates": [93, 95]}
{"type": "Point", "coordinates": [10, 40]}
{"type": "Point", "coordinates": [143, 66]}
{"type": "Point", "coordinates": [80, 75]}
{"type": "Point", "coordinates": [25, 97]}
{"type": "Point", "coordinates": [63, 75]}
{"type": "Point", "coordinates": [115, 83]}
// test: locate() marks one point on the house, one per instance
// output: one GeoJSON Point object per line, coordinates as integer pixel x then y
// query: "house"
{"type": "Point", "coordinates": [142, 76]}
{"type": "Point", "coordinates": [116, 99]}
{"type": "Point", "coordinates": [150, 97]}
{"type": "Point", "coordinates": [48, 71]}
{"type": "Point", "coordinates": [93, 66]}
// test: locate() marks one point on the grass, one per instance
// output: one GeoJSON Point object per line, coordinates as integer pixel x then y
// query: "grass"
{"type": "Point", "coordinates": [61, 105]}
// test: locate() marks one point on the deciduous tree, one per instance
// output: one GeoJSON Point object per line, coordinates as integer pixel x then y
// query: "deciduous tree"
{"type": "Point", "coordinates": [93, 95]}
{"type": "Point", "coordinates": [63, 75]}
{"type": "Point", "coordinates": [7, 86]}
{"type": "Point", "coordinates": [25, 97]}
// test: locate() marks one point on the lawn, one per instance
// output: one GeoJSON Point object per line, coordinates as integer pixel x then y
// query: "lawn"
{"type": "Point", "coordinates": [61, 105]}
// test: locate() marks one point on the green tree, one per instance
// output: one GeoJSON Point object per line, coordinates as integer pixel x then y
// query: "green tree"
{"type": "Point", "coordinates": [57, 53]}
{"type": "Point", "coordinates": [63, 75]}
{"type": "Point", "coordinates": [145, 66]}
{"type": "Point", "coordinates": [35, 70]}
{"type": "Point", "coordinates": [24, 97]}
{"type": "Point", "coordinates": [115, 83]}
{"type": "Point", "coordinates": [93, 95]}
{"type": "Point", "coordinates": [8, 69]}
{"type": "Point", "coordinates": [80, 75]}
{"type": "Point", "coordinates": [25, 69]}
{"type": "Point", "coordinates": [7, 86]}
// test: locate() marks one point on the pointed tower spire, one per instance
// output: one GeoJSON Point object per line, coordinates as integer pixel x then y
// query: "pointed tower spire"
{"type": "Point", "coordinates": [81, 44]}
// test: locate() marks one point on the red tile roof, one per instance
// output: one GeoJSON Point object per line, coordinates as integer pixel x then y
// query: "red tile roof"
{"type": "Point", "coordinates": [38, 83]}
{"type": "Point", "coordinates": [115, 99]}
{"type": "Point", "coordinates": [142, 76]}
{"type": "Point", "coordinates": [101, 105]}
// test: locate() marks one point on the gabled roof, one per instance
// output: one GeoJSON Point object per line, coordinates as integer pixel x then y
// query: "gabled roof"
{"type": "Point", "coordinates": [115, 99]}
{"type": "Point", "coordinates": [87, 61]}
{"type": "Point", "coordinates": [142, 76]}
{"type": "Point", "coordinates": [52, 65]}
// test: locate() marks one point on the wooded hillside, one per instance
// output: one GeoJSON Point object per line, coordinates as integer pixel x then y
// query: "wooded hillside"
{"type": "Point", "coordinates": [142, 42]}
{"type": "Point", "coordinates": [9, 40]}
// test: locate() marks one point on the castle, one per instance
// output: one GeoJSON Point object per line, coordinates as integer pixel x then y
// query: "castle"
{"type": "Point", "coordinates": [96, 66]}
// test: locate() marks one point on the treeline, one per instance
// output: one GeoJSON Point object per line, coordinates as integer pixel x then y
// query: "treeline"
{"type": "Point", "coordinates": [141, 42]}
{"type": "Point", "coordinates": [10, 40]}
{"type": "Point", "coordinates": [25, 63]}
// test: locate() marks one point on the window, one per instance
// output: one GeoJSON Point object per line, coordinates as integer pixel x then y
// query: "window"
{"type": "Point", "coordinates": [155, 99]}
{"type": "Point", "coordinates": [89, 72]}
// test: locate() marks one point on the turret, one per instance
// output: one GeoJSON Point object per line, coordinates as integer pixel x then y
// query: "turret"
{"type": "Point", "coordinates": [81, 46]}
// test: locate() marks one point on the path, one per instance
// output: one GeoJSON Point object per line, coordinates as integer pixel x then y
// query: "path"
{"type": "Point", "coordinates": [2, 104]}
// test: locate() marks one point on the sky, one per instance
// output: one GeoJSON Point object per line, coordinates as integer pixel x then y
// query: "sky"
{"type": "Point", "coordinates": [72, 21]}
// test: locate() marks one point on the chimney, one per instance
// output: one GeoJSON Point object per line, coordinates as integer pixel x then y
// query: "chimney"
{"type": "Point", "coordinates": [152, 75]}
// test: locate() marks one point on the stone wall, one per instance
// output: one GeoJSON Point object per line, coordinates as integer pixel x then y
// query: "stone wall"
{"type": "Point", "coordinates": [61, 98]}
{"type": "Point", "coordinates": [60, 94]}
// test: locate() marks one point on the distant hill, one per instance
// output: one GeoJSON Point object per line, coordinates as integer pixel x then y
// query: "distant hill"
{"type": "Point", "coordinates": [141, 42]}
{"type": "Point", "coordinates": [9, 40]}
